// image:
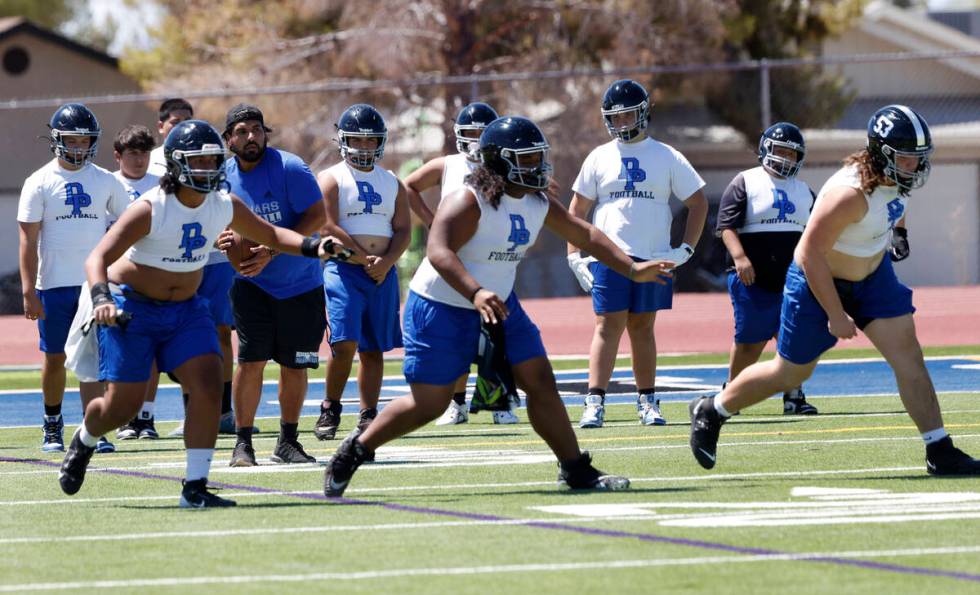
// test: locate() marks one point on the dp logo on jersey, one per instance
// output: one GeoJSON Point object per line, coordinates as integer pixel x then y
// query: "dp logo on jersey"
{"type": "Point", "coordinates": [518, 232]}
{"type": "Point", "coordinates": [895, 211]}
{"type": "Point", "coordinates": [192, 239]}
{"type": "Point", "coordinates": [632, 173]}
{"type": "Point", "coordinates": [782, 203]}
{"type": "Point", "coordinates": [367, 195]}
{"type": "Point", "coordinates": [76, 197]}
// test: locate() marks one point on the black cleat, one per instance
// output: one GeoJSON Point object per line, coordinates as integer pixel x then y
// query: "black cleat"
{"type": "Point", "coordinates": [147, 429]}
{"type": "Point", "coordinates": [196, 495]}
{"type": "Point", "coordinates": [326, 426]}
{"type": "Point", "coordinates": [54, 432]}
{"type": "Point", "coordinates": [349, 456]}
{"type": "Point", "coordinates": [365, 418]}
{"type": "Point", "coordinates": [290, 451]}
{"type": "Point", "coordinates": [130, 431]}
{"type": "Point", "coordinates": [794, 403]}
{"type": "Point", "coordinates": [942, 458]}
{"type": "Point", "coordinates": [581, 475]}
{"type": "Point", "coordinates": [243, 456]}
{"type": "Point", "coordinates": [705, 427]}
{"type": "Point", "coordinates": [72, 473]}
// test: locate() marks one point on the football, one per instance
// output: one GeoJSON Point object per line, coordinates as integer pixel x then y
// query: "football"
{"type": "Point", "coordinates": [240, 250]}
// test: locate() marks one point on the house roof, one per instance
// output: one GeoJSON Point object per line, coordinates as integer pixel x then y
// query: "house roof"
{"type": "Point", "coordinates": [10, 26]}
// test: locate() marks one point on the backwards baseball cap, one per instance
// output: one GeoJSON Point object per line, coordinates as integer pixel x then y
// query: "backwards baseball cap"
{"type": "Point", "coordinates": [242, 113]}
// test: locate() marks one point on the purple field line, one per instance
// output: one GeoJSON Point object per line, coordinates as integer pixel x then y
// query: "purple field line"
{"type": "Point", "coordinates": [593, 531]}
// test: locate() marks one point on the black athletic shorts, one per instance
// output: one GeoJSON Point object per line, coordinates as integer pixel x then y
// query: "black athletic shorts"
{"type": "Point", "coordinates": [288, 331]}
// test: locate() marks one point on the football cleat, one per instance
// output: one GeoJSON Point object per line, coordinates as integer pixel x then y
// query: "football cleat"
{"type": "Point", "coordinates": [505, 418]}
{"type": "Point", "coordinates": [104, 446]}
{"type": "Point", "coordinates": [594, 412]}
{"type": "Point", "coordinates": [649, 407]}
{"type": "Point", "coordinates": [226, 425]}
{"type": "Point", "coordinates": [128, 431]}
{"type": "Point", "coordinates": [794, 403]}
{"type": "Point", "coordinates": [942, 458]}
{"type": "Point", "coordinates": [177, 432]}
{"type": "Point", "coordinates": [72, 473]}
{"type": "Point", "coordinates": [147, 429]}
{"type": "Point", "coordinates": [349, 456]}
{"type": "Point", "coordinates": [328, 422]}
{"type": "Point", "coordinates": [705, 428]}
{"type": "Point", "coordinates": [455, 414]}
{"type": "Point", "coordinates": [54, 434]}
{"type": "Point", "coordinates": [581, 475]}
{"type": "Point", "coordinates": [243, 456]}
{"type": "Point", "coordinates": [195, 494]}
{"type": "Point", "coordinates": [290, 451]}
{"type": "Point", "coordinates": [365, 418]}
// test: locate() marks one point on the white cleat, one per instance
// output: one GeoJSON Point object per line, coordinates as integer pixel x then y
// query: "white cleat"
{"type": "Point", "coordinates": [649, 407]}
{"type": "Point", "coordinates": [505, 418]}
{"type": "Point", "coordinates": [594, 412]}
{"type": "Point", "coordinates": [455, 414]}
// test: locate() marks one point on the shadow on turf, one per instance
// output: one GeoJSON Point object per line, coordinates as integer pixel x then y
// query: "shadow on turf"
{"type": "Point", "coordinates": [552, 491]}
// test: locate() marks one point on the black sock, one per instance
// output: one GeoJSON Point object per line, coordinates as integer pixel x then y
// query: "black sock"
{"type": "Point", "coordinates": [288, 432]}
{"type": "Point", "coordinates": [647, 391]}
{"type": "Point", "coordinates": [52, 410]}
{"type": "Point", "coordinates": [594, 390]}
{"type": "Point", "coordinates": [460, 398]}
{"type": "Point", "coordinates": [226, 398]}
{"type": "Point", "coordinates": [244, 436]}
{"type": "Point", "coordinates": [335, 406]}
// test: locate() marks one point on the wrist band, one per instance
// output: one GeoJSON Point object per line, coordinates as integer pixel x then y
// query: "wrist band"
{"type": "Point", "coordinates": [101, 294]}
{"type": "Point", "coordinates": [310, 247]}
{"type": "Point", "coordinates": [476, 291]}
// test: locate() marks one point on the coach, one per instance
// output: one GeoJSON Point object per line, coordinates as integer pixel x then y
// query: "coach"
{"type": "Point", "coordinates": [278, 300]}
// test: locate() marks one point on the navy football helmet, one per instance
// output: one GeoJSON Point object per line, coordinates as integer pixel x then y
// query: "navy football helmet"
{"type": "Point", "coordinates": [626, 96]}
{"type": "Point", "coordinates": [507, 148]}
{"type": "Point", "coordinates": [192, 138]}
{"type": "Point", "coordinates": [475, 116]}
{"type": "Point", "coordinates": [788, 136]}
{"type": "Point", "coordinates": [897, 131]}
{"type": "Point", "coordinates": [361, 120]}
{"type": "Point", "coordinates": [74, 119]}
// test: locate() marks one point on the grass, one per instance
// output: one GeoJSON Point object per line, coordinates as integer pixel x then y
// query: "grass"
{"type": "Point", "coordinates": [435, 512]}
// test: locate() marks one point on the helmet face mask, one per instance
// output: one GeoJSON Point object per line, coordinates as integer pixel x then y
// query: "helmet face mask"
{"type": "Point", "coordinates": [898, 135]}
{"type": "Point", "coordinates": [361, 121]}
{"type": "Point", "coordinates": [515, 149]}
{"type": "Point", "coordinates": [472, 118]}
{"type": "Point", "coordinates": [782, 135]}
{"type": "Point", "coordinates": [623, 97]}
{"type": "Point", "coordinates": [195, 138]}
{"type": "Point", "coordinates": [74, 120]}
{"type": "Point", "coordinates": [528, 167]}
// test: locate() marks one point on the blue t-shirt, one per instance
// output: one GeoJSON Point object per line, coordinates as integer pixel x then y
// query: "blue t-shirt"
{"type": "Point", "coordinates": [279, 189]}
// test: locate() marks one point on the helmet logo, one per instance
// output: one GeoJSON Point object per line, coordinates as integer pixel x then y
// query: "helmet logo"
{"type": "Point", "coordinates": [883, 126]}
{"type": "Point", "coordinates": [210, 147]}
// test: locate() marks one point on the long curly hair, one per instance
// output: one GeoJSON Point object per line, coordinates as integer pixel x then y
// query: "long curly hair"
{"type": "Point", "coordinates": [491, 185]}
{"type": "Point", "coordinates": [871, 175]}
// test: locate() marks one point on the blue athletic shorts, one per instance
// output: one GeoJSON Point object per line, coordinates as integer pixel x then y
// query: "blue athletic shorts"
{"type": "Point", "coordinates": [756, 311]}
{"type": "Point", "coordinates": [612, 292]}
{"type": "Point", "coordinates": [358, 309]}
{"type": "Point", "coordinates": [803, 333]}
{"type": "Point", "coordinates": [215, 288]}
{"type": "Point", "coordinates": [169, 332]}
{"type": "Point", "coordinates": [60, 305]}
{"type": "Point", "coordinates": [441, 341]}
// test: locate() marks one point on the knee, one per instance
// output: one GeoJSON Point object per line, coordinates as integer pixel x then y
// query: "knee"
{"type": "Point", "coordinates": [606, 328]}
{"type": "Point", "coordinates": [344, 350]}
{"type": "Point", "coordinates": [55, 359]}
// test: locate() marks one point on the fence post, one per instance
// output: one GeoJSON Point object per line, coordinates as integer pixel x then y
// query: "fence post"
{"type": "Point", "coordinates": [765, 102]}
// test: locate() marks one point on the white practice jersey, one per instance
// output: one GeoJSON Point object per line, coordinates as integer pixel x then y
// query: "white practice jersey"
{"type": "Point", "coordinates": [872, 233]}
{"type": "Point", "coordinates": [136, 188]}
{"type": "Point", "coordinates": [491, 256]}
{"type": "Point", "coordinates": [455, 168]}
{"type": "Point", "coordinates": [366, 199]}
{"type": "Point", "coordinates": [774, 204]}
{"type": "Point", "coordinates": [73, 208]}
{"type": "Point", "coordinates": [632, 184]}
{"type": "Point", "coordinates": [181, 237]}
{"type": "Point", "coordinates": [158, 163]}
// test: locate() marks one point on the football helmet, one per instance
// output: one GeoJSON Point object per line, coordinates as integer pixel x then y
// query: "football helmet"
{"type": "Point", "coordinates": [626, 96]}
{"type": "Point", "coordinates": [507, 148]}
{"type": "Point", "coordinates": [786, 135]}
{"type": "Point", "coordinates": [74, 119]}
{"type": "Point", "coordinates": [475, 116]}
{"type": "Point", "coordinates": [192, 138]}
{"type": "Point", "coordinates": [361, 120]}
{"type": "Point", "coordinates": [897, 131]}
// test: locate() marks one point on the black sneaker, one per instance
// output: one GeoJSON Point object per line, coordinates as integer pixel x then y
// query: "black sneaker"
{"type": "Point", "coordinates": [146, 429]}
{"type": "Point", "coordinates": [349, 456]}
{"type": "Point", "coordinates": [128, 431]}
{"type": "Point", "coordinates": [290, 451]}
{"type": "Point", "coordinates": [365, 418]}
{"type": "Point", "coordinates": [54, 434]}
{"type": "Point", "coordinates": [196, 495]}
{"type": "Point", "coordinates": [326, 425]}
{"type": "Point", "coordinates": [581, 475]}
{"type": "Point", "coordinates": [243, 456]}
{"type": "Point", "coordinates": [942, 458]}
{"type": "Point", "coordinates": [705, 428]}
{"type": "Point", "coordinates": [72, 473]}
{"type": "Point", "coordinates": [794, 403]}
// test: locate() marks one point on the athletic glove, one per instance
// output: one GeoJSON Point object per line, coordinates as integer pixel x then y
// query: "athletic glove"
{"type": "Point", "coordinates": [678, 255]}
{"type": "Point", "coordinates": [900, 244]}
{"type": "Point", "coordinates": [580, 267]}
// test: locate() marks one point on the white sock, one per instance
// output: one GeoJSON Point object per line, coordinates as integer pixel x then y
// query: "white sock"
{"type": "Point", "coordinates": [721, 408]}
{"type": "Point", "coordinates": [87, 438]}
{"type": "Point", "coordinates": [147, 411]}
{"type": "Point", "coordinates": [198, 463]}
{"type": "Point", "coordinates": [934, 435]}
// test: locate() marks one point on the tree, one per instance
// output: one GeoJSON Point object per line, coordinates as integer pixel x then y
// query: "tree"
{"type": "Point", "coordinates": [47, 13]}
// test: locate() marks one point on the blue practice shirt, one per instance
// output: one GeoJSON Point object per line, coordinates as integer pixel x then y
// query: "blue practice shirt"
{"type": "Point", "coordinates": [279, 189]}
